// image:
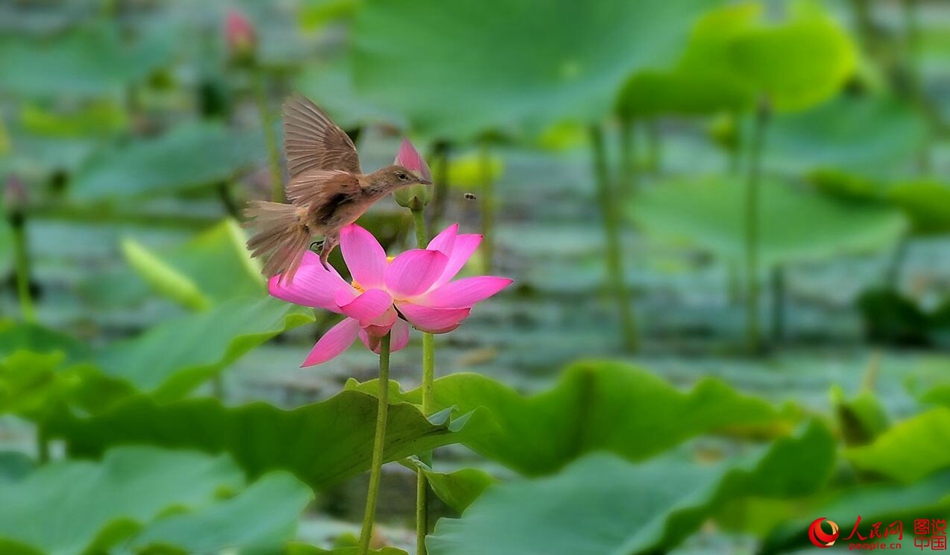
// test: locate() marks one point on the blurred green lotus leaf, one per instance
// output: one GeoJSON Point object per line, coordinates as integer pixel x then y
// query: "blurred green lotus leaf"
{"type": "Point", "coordinates": [594, 406]}
{"type": "Point", "coordinates": [330, 86]}
{"type": "Point", "coordinates": [22, 336]}
{"type": "Point", "coordinates": [846, 186]}
{"type": "Point", "coordinates": [262, 518]}
{"type": "Point", "coordinates": [209, 269]}
{"type": "Point", "coordinates": [884, 503]}
{"type": "Point", "coordinates": [798, 64]}
{"type": "Point", "coordinates": [322, 443]}
{"type": "Point", "coordinates": [174, 357]}
{"type": "Point", "coordinates": [301, 549]}
{"type": "Point", "coordinates": [88, 61]}
{"type": "Point", "coordinates": [109, 500]}
{"type": "Point", "coordinates": [861, 418]}
{"type": "Point", "coordinates": [466, 170]}
{"type": "Point", "coordinates": [457, 489]}
{"type": "Point", "coordinates": [870, 137]}
{"type": "Point", "coordinates": [98, 118]}
{"type": "Point", "coordinates": [14, 466]}
{"type": "Point", "coordinates": [731, 58]}
{"type": "Point", "coordinates": [796, 225]}
{"type": "Point", "coordinates": [537, 62]}
{"type": "Point", "coordinates": [604, 504]}
{"type": "Point", "coordinates": [317, 13]}
{"type": "Point", "coordinates": [188, 156]}
{"type": "Point", "coordinates": [909, 450]}
{"type": "Point", "coordinates": [926, 203]}
{"type": "Point", "coordinates": [651, 93]}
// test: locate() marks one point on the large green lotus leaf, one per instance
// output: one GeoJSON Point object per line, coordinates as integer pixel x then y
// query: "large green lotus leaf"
{"type": "Point", "coordinates": [16, 336]}
{"type": "Point", "coordinates": [798, 64]}
{"type": "Point", "coordinates": [301, 549]}
{"type": "Point", "coordinates": [868, 136]}
{"type": "Point", "coordinates": [36, 386]}
{"type": "Point", "coordinates": [795, 64]}
{"type": "Point", "coordinates": [457, 489]}
{"type": "Point", "coordinates": [594, 406]}
{"type": "Point", "coordinates": [481, 66]}
{"type": "Point", "coordinates": [188, 156]}
{"type": "Point", "coordinates": [14, 466]}
{"type": "Point", "coordinates": [926, 203]}
{"type": "Point", "coordinates": [73, 507]}
{"type": "Point", "coordinates": [262, 518]}
{"type": "Point", "coordinates": [321, 443]}
{"type": "Point", "coordinates": [652, 93]}
{"type": "Point", "coordinates": [909, 450]}
{"type": "Point", "coordinates": [604, 504]}
{"type": "Point", "coordinates": [877, 503]}
{"type": "Point", "coordinates": [330, 85]}
{"type": "Point", "coordinates": [209, 269]}
{"type": "Point", "coordinates": [796, 225]}
{"type": "Point", "coordinates": [101, 118]}
{"type": "Point", "coordinates": [705, 80]}
{"type": "Point", "coordinates": [87, 61]}
{"type": "Point", "coordinates": [172, 358]}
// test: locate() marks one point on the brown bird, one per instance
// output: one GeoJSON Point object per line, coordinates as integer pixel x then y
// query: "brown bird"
{"type": "Point", "coordinates": [327, 191]}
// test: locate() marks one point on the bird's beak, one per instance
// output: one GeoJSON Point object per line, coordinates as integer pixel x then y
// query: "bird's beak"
{"type": "Point", "coordinates": [424, 181]}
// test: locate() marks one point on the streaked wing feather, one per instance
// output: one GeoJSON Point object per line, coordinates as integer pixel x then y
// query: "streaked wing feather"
{"type": "Point", "coordinates": [313, 141]}
{"type": "Point", "coordinates": [315, 187]}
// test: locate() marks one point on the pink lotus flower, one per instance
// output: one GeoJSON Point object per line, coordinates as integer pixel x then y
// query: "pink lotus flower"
{"type": "Point", "coordinates": [389, 295]}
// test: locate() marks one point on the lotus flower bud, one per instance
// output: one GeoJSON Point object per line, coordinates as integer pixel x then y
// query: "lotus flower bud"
{"type": "Point", "coordinates": [240, 37]}
{"type": "Point", "coordinates": [414, 197]}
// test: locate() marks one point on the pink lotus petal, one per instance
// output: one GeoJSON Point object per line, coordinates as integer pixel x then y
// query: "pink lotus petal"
{"type": "Point", "coordinates": [464, 292]}
{"type": "Point", "coordinates": [333, 342]}
{"type": "Point", "coordinates": [433, 320]}
{"type": "Point", "coordinates": [364, 256]}
{"type": "Point", "coordinates": [413, 272]}
{"type": "Point", "coordinates": [313, 285]}
{"type": "Point", "coordinates": [410, 159]}
{"type": "Point", "coordinates": [463, 249]}
{"type": "Point", "coordinates": [400, 338]}
{"type": "Point", "coordinates": [444, 242]}
{"type": "Point", "coordinates": [381, 325]}
{"type": "Point", "coordinates": [368, 306]}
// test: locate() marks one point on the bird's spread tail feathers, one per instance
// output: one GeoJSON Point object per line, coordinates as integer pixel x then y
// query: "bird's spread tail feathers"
{"type": "Point", "coordinates": [281, 237]}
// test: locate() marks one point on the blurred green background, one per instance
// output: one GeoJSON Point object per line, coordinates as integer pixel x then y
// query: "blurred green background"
{"type": "Point", "coordinates": [736, 214]}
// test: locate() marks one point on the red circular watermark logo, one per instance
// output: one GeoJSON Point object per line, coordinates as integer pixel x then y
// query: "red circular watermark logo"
{"type": "Point", "coordinates": [821, 538]}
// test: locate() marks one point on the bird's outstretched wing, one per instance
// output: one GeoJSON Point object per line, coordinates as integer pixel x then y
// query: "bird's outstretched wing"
{"type": "Point", "coordinates": [313, 141]}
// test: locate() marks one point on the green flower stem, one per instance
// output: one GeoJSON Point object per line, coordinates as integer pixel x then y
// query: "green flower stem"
{"type": "Point", "coordinates": [428, 379]}
{"type": "Point", "coordinates": [655, 143]}
{"type": "Point", "coordinates": [778, 303]}
{"type": "Point", "coordinates": [628, 157]}
{"type": "Point", "coordinates": [488, 206]}
{"type": "Point", "coordinates": [366, 533]}
{"type": "Point", "coordinates": [22, 268]}
{"type": "Point", "coordinates": [751, 217]}
{"type": "Point", "coordinates": [609, 206]}
{"type": "Point", "coordinates": [267, 121]}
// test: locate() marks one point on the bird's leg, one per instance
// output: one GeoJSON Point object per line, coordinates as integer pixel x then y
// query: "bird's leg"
{"type": "Point", "coordinates": [327, 245]}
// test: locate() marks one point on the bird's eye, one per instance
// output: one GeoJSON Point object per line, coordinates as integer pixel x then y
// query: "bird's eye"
{"type": "Point", "coordinates": [401, 176]}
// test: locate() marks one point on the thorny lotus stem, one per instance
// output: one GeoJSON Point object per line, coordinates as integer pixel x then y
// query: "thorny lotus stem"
{"type": "Point", "coordinates": [267, 121]}
{"type": "Point", "coordinates": [611, 216]}
{"type": "Point", "coordinates": [428, 379]}
{"type": "Point", "coordinates": [488, 206]}
{"type": "Point", "coordinates": [22, 268]}
{"type": "Point", "coordinates": [751, 216]}
{"type": "Point", "coordinates": [379, 444]}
